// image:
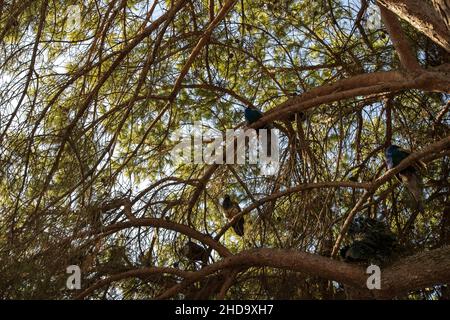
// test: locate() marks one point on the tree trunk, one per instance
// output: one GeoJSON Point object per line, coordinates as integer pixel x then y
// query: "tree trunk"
{"type": "Point", "coordinates": [424, 17]}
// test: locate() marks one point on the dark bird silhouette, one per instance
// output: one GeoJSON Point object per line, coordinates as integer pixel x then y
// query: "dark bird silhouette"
{"type": "Point", "coordinates": [410, 176]}
{"type": "Point", "coordinates": [231, 209]}
{"type": "Point", "coordinates": [373, 242]}
{"type": "Point", "coordinates": [195, 252]}
{"type": "Point", "coordinates": [251, 116]}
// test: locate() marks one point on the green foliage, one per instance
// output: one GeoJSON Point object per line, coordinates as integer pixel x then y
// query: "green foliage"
{"type": "Point", "coordinates": [89, 118]}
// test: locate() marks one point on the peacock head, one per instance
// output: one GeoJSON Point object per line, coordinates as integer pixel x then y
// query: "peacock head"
{"type": "Point", "coordinates": [391, 149]}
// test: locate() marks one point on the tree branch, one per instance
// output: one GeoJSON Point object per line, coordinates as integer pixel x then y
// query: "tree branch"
{"type": "Point", "coordinates": [411, 273]}
{"type": "Point", "coordinates": [421, 16]}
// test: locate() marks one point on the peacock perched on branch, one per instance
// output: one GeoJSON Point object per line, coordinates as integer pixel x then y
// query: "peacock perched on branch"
{"type": "Point", "coordinates": [231, 209]}
{"type": "Point", "coordinates": [410, 176]}
{"type": "Point", "coordinates": [252, 115]}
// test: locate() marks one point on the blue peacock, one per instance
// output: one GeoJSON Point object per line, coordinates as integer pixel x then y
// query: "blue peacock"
{"type": "Point", "coordinates": [410, 176]}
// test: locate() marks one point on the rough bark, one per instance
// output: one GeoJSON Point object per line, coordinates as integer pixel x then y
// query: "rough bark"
{"type": "Point", "coordinates": [423, 17]}
{"type": "Point", "coordinates": [415, 272]}
{"type": "Point", "coordinates": [442, 8]}
{"type": "Point", "coordinates": [401, 44]}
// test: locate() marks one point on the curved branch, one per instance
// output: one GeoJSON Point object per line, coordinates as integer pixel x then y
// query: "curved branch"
{"type": "Point", "coordinates": [162, 223]}
{"type": "Point", "coordinates": [432, 148]}
{"type": "Point", "coordinates": [421, 16]}
{"type": "Point", "coordinates": [299, 188]}
{"type": "Point", "coordinates": [415, 272]}
{"type": "Point", "coordinates": [360, 85]}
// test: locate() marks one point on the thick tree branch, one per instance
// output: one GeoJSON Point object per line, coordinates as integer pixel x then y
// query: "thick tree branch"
{"type": "Point", "coordinates": [421, 16]}
{"type": "Point", "coordinates": [437, 79]}
{"type": "Point", "coordinates": [398, 37]}
{"type": "Point", "coordinates": [419, 271]}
